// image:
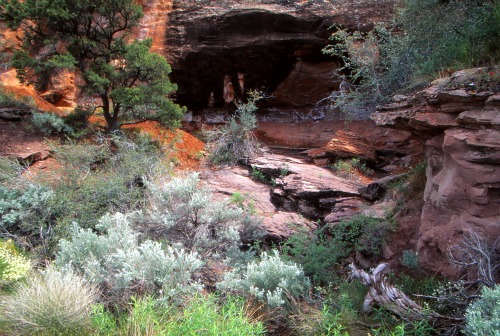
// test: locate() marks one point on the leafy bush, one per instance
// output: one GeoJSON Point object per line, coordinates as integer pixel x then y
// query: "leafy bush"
{"type": "Point", "coordinates": [52, 303]}
{"type": "Point", "coordinates": [13, 266]}
{"type": "Point", "coordinates": [270, 280]}
{"type": "Point", "coordinates": [182, 210]}
{"type": "Point", "coordinates": [483, 315]}
{"type": "Point", "coordinates": [437, 35]}
{"type": "Point", "coordinates": [317, 253]}
{"type": "Point", "coordinates": [24, 213]}
{"type": "Point", "coordinates": [362, 233]}
{"type": "Point", "coordinates": [50, 123]}
{"type": "Point", "coordinates": [17, 205]}
{"type": "Point", "coordinates": [236, 140]}
{"type": "Point", "coordinates": [96, 179]}
{"type": "Point", "coordinates": [117, 258]}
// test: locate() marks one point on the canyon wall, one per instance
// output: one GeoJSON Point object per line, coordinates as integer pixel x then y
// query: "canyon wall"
{"type": "Point", "coordinates": [460, 118]}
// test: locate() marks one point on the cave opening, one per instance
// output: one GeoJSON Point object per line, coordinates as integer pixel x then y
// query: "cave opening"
{"type": "Point", "coordinates": [263, 48]}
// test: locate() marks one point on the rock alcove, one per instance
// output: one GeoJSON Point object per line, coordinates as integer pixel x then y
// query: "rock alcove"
{"type": "Point", "coordinates": [258, 47]}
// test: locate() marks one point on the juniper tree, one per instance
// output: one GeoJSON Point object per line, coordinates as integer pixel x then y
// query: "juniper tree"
{"type": "Point", "coordinates": [93, 36]}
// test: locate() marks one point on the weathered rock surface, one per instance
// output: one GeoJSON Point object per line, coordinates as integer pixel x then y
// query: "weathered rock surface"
{"type": "Point", "coordinates": [295, 193]}
{"type": "Point", "coordinates": [264, 40]}
{"type": "Point", "coordinates": [307, 189]}
{"type": "Point", "coordinates": [463, 161]}
{"type": "Point", "coordinates": [376, 189]}
{"type": "Point", "coordinates": [14, 113]}
{"type": "Point", "coordinates": [350, 145]}
{"type": "Point", "coordinates": [278, 225]}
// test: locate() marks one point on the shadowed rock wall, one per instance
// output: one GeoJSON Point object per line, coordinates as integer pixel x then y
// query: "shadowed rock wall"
{"type": "Point", "coordinates": [264, 40]}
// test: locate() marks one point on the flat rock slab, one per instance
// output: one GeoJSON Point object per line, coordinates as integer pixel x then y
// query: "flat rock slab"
{"type": "Point", "coordinates": [304, 180]}
{"type": "Point", "coordinates": [277, 225]}
{"type": "Point", "coordinates": [231, 180]}
{"type": "Point", "coordinates": [302, 187]}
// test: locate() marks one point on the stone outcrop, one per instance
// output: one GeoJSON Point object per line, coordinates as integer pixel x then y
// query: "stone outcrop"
{"type": "Point", "coordinates": [460, 121]}
{"type": "Point", "coordinates": [300, 187]}
{"type": "Point", "coordinates": [273, 44]}
{"type": "Point", "coordinates": [290, 194]}
{"type": "Point", "coordinates": [278, 225]}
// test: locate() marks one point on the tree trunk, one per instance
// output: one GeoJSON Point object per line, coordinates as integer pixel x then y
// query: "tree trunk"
{"type": "Point", "coordinates": [388, 296]}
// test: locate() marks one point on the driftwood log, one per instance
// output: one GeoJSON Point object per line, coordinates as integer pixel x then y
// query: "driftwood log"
{"type": "Point", "coordinates": [381, 292]}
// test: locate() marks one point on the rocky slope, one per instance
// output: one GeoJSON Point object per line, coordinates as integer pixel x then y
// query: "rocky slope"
{"type": "Point", "coordinates": [460, 118]}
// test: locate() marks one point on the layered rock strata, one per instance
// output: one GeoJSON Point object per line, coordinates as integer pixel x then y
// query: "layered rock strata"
{"type": "Point", "coordinates": [460, 118]}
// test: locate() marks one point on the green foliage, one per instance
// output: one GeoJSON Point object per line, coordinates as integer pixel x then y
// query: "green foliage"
{"type": "Point", "coordinates": [52, 303]}
{"type": "Point", "coordinates": [116, 257]}
{"type": "Point", "coordinates": [347, 168]}
{"type": "Point", "coordinates": [50, 123]}
{"type": "Point", "coordinates": [437, 35]}
{"type": "Point", "coordinates": [102, 177]}
{"type": "Point", "coordinates": [257, 175]}
{"type": "Point", "coordinates": [320, 252]}
{"type": "Point", "coordinates": [483, 315]}
{"type": "Point", "coordinates": [317, 322]}
{"type": "Point", "coordinates": [362, 233]}
{"type": "Point", "coordinates": [410, 259]}
{"type": "Point", "coordinates": [317, 253]}
{"type": "Point", "coordinates": [131, 82]}
{"type": "Point", "coordinates": [235, 141]}
{"type": "Point", "coordinates": [201, 315]}
{"type": "Point", "coordinates": [23, 209]}
{"type": "Point", "coordinates": [9, 170]}
{"type": "Point", "coordinates": [270, 280]}
{"type": "Point", "coordinates": [412, 328]}
{"type": "Point", "coordinates": [182, 210]}
{"type": "Point", "coordinates": [13, 266]}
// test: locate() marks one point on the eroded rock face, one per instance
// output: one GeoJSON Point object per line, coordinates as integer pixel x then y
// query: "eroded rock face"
{"type": "Point", "coordinates": [461, 125]}
{"type": "Point", "coordinates": [265, 41]}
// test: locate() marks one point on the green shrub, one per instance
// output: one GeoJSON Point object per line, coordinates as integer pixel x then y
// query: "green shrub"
{"type": "Point", "coordinates": [115, 257]}
{"type": "Point", "coordinates": [270, 280]}
{"type": "Point", "coordinates": [235, 141]}
{"type": "Point", "coordinates": [96, 179]}
{"type": "Point", "coordinates": [437, 35]}
{"type": "Point", "coordinates": [410, 259]}
{"type": "Point", "coordinates": [52, 303]}
{"type": "Point", "coordinates": [483, 315]}
{"type": "Point", "coordinates": [182, 210]}
{"type": "Point", "coordinates": [363, 234]}
{"type": "Point", "coordinates": [17, 205]}
{"type": "Point", "coordinates": [24, 213]}
{"type": "Point", "coordinates": [317, 253]}
{"type": "Point", "coordinates": [50, 123]}
{"type": "Point", "coordinates": [13, 266]}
